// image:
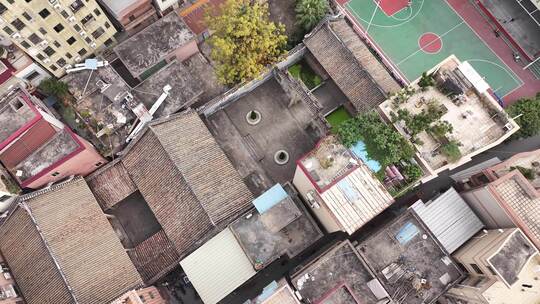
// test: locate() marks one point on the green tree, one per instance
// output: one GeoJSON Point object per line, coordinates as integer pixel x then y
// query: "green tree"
{"type": "Point", "coordinates": [383, 143]}
{"type": "Point", "coordinates": [244, 40]}
{"type": "Point", "coordinates": [310, 12]}
{"type": "Point", "coordinates": [529, 121]}
{"type": "Point", "coordinates": [451, 150]}
{"type": "Point", "coordinates": [426, 81]}
{"type": "Point", "coordinates": [52, 86]}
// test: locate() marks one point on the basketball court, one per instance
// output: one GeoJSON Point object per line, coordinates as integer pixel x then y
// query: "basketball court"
{"type": "Point", "coordinates": [416, 35]}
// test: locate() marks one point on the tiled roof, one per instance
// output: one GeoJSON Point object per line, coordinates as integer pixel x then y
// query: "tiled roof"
{"type": "Point", "coordinates": [342, 66]}
{"type": "Point", "coordinates": [194, 15]}
{"type": "Point", "coordinates": [187, 180]}
{"type": "Point", "coordinates": [111, 184]}
{"type": "Point", "coordinates": [60, 246]}
{"type": "Point", "coordinates": [154, 257]}
{"type": "Point", "coordinates": [364, 56]}
{"type": "Point", "coordinates": [516, 194]}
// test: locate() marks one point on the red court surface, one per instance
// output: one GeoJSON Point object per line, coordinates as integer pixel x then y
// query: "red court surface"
{"type": "Point", "coordinates": [479, 24]}
{"type": "Point", "coordinates": [390, 7]}
{"type": "Point", "coordinates": [430, 43]}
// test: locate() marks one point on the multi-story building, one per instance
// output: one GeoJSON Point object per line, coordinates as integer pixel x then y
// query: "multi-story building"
{"type": "Point", "coordinates": [17, 68]}
{"type": "Point", "coordinates": [38, 149]}
{"type": "Point", "coordinates": [132, 15]}
{"type": "Point", "coordinates": [503, 267]}
{"type": "Point", "coordinates": [56, 33]}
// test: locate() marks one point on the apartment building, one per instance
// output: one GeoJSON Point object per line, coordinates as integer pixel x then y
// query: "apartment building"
{"type": "Point", "coordinates": [56, 33]}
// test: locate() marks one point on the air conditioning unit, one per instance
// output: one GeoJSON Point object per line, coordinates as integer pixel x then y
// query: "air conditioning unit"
{"type": "Point", "coordinates": [16, 36]}
{"type": "Point", "coordinates": [67, 66]}
{"type": "Point", "coordinates": [93, 45]}
{"type": "Point", "coordinates": [46, 60]}
{"type": "Point", "coordinates": [83, 34]}
{"type": "Point", "coordinates": [2, 20]}
{"type": "Point", "coordinates": [53, 2]}
{"type": "Point", "coordinates": [58, 6]}
{"type": "Point", "coordinates": [72, 19]}
{"type": "Point", "coordinates": [78, 58]}
{"type": "Point", "coordinates": [43, 43]}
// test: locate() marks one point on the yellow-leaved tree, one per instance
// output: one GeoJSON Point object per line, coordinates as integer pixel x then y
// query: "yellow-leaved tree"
{"type": "Point", "coordinates": [244, 41]}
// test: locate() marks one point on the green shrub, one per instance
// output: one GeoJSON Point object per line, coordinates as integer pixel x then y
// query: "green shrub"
{"type": "Point", "coordinates": [529, 119]}
{"type": "Point", "coordinates": [310, 12]}
{"type": "Point", "coordinates": [529, 173]}
{"type": "Point", "coordinates": [451, 150]}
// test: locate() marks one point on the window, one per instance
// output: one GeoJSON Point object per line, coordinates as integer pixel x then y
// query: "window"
{"type": "Point", "coordinates": [64, 14]}
{"type": "Point", "coordinates": [491, 270]}
{"type": "Point", "coordinates": [16, 104]}
{"type": "Point", "coordinates": [44, 13]}
{"type": "Point", "coordinates": [69, 56]}
{"type": "Point", "coordinates": [132, 18]}
{"type": "Point", "coordinates": [43, 31]}
{"type": "Point", "coordinates": [27, 16]}
{"type": "Point", "coordinates": [61, 62]}
{"type": "Point", "coordinates": [18, 24]}
{"type": "Point", "coordinates": [108, 42]}
{"type": "Point", "coordinates": [56, 173]}
{"type": "Point", "coordinates": [88, 40]}
{"type": "Point", "coordinates": [53, 68]}
{"type": "Point", "coordinates": [477, 269]}
{"type": "Point", "coordinates": [3, 8]}
{"type": "Point", "coordinates": [10, 1]}
{"type": "Point", "coordinates": [4, 198]}
{"type": "Point", "coordinates": [35, 39]}
{"type": "Point", "coordinates": [87, 19]}
{"type": "Point", "coordinates": [82, 52]}
{"type": "Point", "coordinates": [107, 25]}
{"type": "Point", "coordinates": [25, 44]}
{"type": "Point", "coordinates": [56, 44]}
{"type": "Point", "coordinates": [76, 5]}
{"type": "Point", "coordinates": [32, 76]}
{"type": "Point", "coordinates": [58, 28]}
{"type": "Point", "coordinates": [97, 12]}
{"type": "Point", "coordinates": [49, 51]}
{"type": "Point", "coordinates": [98, 164]}
{"type": "Point", "coordinates": [71, 40]}
{"type": "Point", "coordinates": [40, 57]}
{"type": "Point", "coordinates": [97, 33]}
{"type": "Point", "coordinates": [77, 27]}
{"type": "Point", "coordinates": [8, 30]}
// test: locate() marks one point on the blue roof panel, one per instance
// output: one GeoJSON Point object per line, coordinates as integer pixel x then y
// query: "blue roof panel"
{"type": "Point", "coordinates": [270, 198]}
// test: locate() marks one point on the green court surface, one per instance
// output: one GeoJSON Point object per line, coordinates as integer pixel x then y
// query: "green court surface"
{"type": "Point", "coordinates": [399, 38]}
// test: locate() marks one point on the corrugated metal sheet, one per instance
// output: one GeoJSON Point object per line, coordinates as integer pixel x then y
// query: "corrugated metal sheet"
{"type": "Point", "coordinates": [467, 173]}
{"type": "Point", "coordinates": [449, 218]}
{"type": "Point", "coordinates": [218, 267]}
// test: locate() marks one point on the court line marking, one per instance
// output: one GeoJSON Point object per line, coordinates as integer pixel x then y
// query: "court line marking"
{"type": "Point", "coordinates": [349, 8]}
{"type": "Point", "coordinates": [489, 47]}
{"type": "Point", "coordinates": [390, 62]}
{"type": "Point", "coordinates": [495, 64]}
{"type": "Point", "coordinates": [440, 37]}
{"type": "Point", "coordinates": [434, 53]}
{"type": "Point", "coordinates": [409, 8]}
{"type": "Point", "coordinates": [373, 15]}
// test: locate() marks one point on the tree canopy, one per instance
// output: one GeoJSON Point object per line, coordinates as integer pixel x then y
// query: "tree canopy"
{"type": "Point", "coordinates": [529, 121]}
{"type": "Point", "coordinates": [310, 12]}
{"type": "Point", "coordinates": [244, 40]}
{"type": "Point", "coordinates": [51, 86]}
{"type": "Point", "coordinates": [383, 143]}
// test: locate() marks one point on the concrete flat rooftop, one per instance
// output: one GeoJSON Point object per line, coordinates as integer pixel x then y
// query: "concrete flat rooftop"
{"type": "Point", "coordinates": [265, 237]}
{"type": "Point", "coordinates": [185, 89]}
{"type": "Point", "coordinates": [340, 265]}
{"type": "Point", "coordinates": [472, 114]}
{"type": "Point", "coordinates": [146, 48]}
{"type": "Point", "coordinates": [58, 147]}
{"type": "Point", "coordinates": [251, 148]}
{"type": "Point", "coordinates": [402, 254]}
{"type": "Point", "coordinates": [14, 114]}
{"type": "Point", "coordinates": [512, 257]}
